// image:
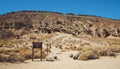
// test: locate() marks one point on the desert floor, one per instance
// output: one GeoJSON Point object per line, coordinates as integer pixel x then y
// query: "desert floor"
{"type": "Point", "coordinates": [66, 63]}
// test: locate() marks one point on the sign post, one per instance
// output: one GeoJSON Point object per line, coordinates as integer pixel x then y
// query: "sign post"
{"type": "Point", "coordinates": [37, 45]}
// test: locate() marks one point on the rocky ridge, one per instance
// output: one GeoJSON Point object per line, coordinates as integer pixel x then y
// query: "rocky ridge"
{"type": "Point", "coordinates": [17, 24]}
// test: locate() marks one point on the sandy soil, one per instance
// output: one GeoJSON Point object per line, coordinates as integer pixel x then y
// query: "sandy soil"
{"type": "Point", "coordinates": [66, 63]}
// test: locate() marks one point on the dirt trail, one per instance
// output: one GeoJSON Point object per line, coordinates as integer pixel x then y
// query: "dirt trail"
{"type": "Point", "coordinates": [67, 39]}
{"type": "Point", "coordinates": [67, 63]}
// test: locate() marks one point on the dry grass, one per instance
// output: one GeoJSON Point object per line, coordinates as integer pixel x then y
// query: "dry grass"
{"type": "Point", "coordinates": [26, 54]}
{"type": "Point", "coordinates": [7, 43]}
{"type": "Point", "coordinates": [3, 57]}
{"type": "Point", "coordinates": [13, 57]}
{"type": "Point", "coordinates": [38, 55]}
{"type": "Point", "coordinates": [105, 51]}
{"type": "Point", "coordinates": [116, 49]}
{"type": "Point", "coordinates": [91, 52]}
{"type": "Point", "coordinates": [19, 55]}
{"type": "Point", "coordinates": [88, 55]}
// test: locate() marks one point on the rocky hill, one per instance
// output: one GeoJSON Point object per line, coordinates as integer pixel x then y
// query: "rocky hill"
{"type": "Point", "coordinates": [77, 36]}
{"type": "Point", "coordinates": [17, 24]}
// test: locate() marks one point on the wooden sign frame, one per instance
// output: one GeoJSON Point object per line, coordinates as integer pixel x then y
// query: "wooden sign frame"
{"type": "Point", "coordinates": [37, 45]}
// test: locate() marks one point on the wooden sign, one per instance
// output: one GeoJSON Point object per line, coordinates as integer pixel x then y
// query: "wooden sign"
{"type": "Point", "coordinates": [37, 45]}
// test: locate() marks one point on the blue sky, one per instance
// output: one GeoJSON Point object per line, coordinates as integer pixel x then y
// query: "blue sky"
{"type": "Point", "coordinates": [104, 8]}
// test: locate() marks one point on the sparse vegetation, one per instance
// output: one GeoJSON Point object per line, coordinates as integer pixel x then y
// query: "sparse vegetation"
{"type": "Point", "coordinates": [88, 55]}
{"type": "Point", "coordinates": [116, 49]}
{"type": "Point", "coordinates": [13, 57]}
{"type": "Point", "coordinates": [3, 57]}
{"type": "Point", "coordinates": [20, 55]}
{"type": "Point", "coordinates": [95, 52]}
{"type": "Point", "coordinates": [26, 54]}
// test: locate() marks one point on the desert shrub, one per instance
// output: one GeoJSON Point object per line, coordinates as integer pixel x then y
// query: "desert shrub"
{"type": "Point", "coordinates": [88, 55]}
{"type": "Point", "coordinates": [8, 51]}
{"type": "Point", "coordinates": [101, 50]}
{"type": "Point", "coordinates": [23, 49]}
{"type": "Point", "coordinates": [13, 57]}
{"type": "Point", "coordinates": [91, 52]}
{"type": "Point", "coordinates": [20, 55]}
{"type": "Point", "coordinates": [4, 51]}
{"type": "Point", "coordinates": [3, 57]}
{"type": "Point", "coordinates": [115, 49]}
{"type": "Point", "coordinates": [38, 55]}
{"type": "Point", "coordinates": [26, 54]}
{"type": "Point", "coordinates": [105, 51]}
{"type": "Point", "coordinates": [7, 55]}
{"type": "Point", "coordinates": [16, 51]}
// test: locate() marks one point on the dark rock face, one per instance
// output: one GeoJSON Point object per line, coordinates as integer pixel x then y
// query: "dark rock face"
{"type": "Point", "coordinates": [6, 34]}
{"type": "Point", "coordinates": [49, 22]}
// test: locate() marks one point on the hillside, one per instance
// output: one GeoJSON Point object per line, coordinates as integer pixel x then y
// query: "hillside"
{"type": "Point", "coordinates": [69, 37]}
{"type": "Point", "coordinates": [18, 24]}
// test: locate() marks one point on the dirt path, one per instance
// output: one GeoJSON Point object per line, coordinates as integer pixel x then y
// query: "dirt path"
{"type": "Point", "coordinates": [102, 63]}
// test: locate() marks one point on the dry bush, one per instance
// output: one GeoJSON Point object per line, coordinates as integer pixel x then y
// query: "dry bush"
{"type": "Point", "coordinates": [38, 55]}
{"type": "Point", "coordinates": [20, 55]}
{"type": "Point", "coordinates": [27, 54]}
{"type": "Point", "coordinates": [3, 57]}
{"type": "Point", "coordinates": [13, 57]}
{"type": "Point", "coordinates": [7, 55]}
{"type": "Point", "coordinates": [88, 55]}
{"type": "Point", "coordinates": [8, 51]}
{"type": "Point", "coordinates": [16, 51]}
{"type": "Point", "coordinates": [6, 43]}
{"type": "Point", "coordinates": [23, 49]}
{"type": "Point", "coordinates": [101, 50]}
{"type": "Point", "coordinates": [116, 48]}
{"type": "Point", "coordinates": [91, 52]}
{"type": "Point", "coordinates": [4, 51]}
{"type": "Point", "coordinates": [105, 51]}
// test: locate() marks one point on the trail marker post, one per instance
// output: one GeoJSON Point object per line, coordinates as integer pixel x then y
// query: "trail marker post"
{"type": "Point", "coordinates": [37, 45]}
